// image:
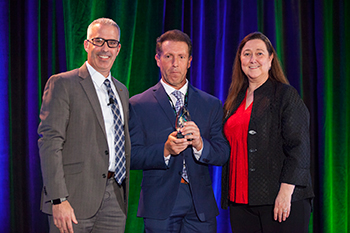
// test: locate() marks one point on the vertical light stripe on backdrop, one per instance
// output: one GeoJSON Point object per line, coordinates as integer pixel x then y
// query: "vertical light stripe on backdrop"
{"type": "Point", "coordinates": [330, 218]}
{"type": "Point", "coordinates": [58, 43]}
{"type": "Point", "coordinates": [197, 37]}
{"type": "Point", "coordinates": [346, 75]}
{"type": "Point", "coordinates": [218, 79]}
{"type": "Point", "coordinates": [341, 60]}
{"type": "Point", "coordinates": [5, 172]}
{"type": "Point", "coordinates": [291, 42]}
{"type": "Point", "coordinates": [32, 108]}
{"type": "Point", "coordinates": [279, 31]}
{"type": "Point", "coordinates": [220, 52]}
{"type": "Point", "coordinates": [320, 111]}
{"type": "Point", "coordinates": [224, 54]}
{"type": "Point", "coordinates": [249, 18]}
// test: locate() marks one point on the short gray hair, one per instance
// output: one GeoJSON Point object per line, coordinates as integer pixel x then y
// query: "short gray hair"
{"type": "Point", "coordinates": [103, 21]}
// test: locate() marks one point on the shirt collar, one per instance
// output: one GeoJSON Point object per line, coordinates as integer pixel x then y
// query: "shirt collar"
{"type": "Point", "coordinates": [96, 76]}
{"type": "Point", "coordinates": [169, 89]}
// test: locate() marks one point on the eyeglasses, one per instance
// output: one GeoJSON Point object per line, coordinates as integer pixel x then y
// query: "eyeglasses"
{"type": "Point", "coordinates": [100, 42]}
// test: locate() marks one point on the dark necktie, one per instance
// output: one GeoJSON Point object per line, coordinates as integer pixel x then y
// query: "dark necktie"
{"type": "Point", "coordinates": [179, 103]}
{"type": "Point", "coordinates": [119, 138]}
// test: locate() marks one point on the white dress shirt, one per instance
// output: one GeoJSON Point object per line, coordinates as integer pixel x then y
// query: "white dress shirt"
{"type": "Point", "coordinates": [102, 94]}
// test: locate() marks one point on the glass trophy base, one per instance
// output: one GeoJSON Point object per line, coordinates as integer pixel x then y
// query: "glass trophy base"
{"type": "Point", "coordinates": [179, 135]}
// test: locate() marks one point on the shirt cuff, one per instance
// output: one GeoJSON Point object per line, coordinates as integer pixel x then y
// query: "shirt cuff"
{"type": "Point", "coordinates": [197, 153]}
{"type": "Point", "coordinates": [166, 159]}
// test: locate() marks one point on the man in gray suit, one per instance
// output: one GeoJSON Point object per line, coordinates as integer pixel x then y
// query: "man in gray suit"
{"type": "Point", "coordinates": [84, 140]}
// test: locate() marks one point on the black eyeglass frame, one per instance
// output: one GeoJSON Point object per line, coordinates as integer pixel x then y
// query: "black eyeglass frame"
{"type": "Point", "coordinates": [104, 40]}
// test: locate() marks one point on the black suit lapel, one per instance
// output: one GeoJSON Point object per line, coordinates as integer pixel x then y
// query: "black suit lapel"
{"type": "Point", "coordinates": [193, 100]}
{"type": "Point", "coordinates": [163, 100]}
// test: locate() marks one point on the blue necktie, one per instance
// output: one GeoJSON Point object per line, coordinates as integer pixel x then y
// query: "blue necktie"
{"type": "Point", "coordinates": [179, 103]}
{"type": "Point", "coordinates": [119, 138]}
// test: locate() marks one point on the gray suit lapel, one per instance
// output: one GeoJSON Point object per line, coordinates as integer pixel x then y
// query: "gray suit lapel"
{"type": "Point", "coordinates": [90, 91]}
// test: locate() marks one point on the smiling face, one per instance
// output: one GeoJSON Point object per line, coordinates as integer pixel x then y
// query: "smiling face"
{"type": "Point", "coordinates": [173, 61]}
{"type": "Point", "coordinates": [256, 61]}
{"type": "Point", "coordinates": [102, 58]}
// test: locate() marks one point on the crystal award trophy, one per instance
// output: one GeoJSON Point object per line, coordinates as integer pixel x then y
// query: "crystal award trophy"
{"type": "Point", "coordinates": [182, 116]}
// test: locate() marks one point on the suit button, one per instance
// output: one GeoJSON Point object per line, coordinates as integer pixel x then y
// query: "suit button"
{"type": "Point", "coordinates": [253, 150]}
{"type": "Point", "coordinates": [252, 132]}
{"type": "Point", "coordinates": [106, 152]}
{"type": "Point", "coordinates": [104, 176]}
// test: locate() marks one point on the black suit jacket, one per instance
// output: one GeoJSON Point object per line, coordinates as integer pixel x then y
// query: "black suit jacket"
{"type": "Point", "coordinates": [278, 145]}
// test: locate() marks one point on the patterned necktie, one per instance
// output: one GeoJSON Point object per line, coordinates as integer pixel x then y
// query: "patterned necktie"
{"type": "Point", "coordinates": [179, 103]}
{"type": "Point", "coordinates": [119, 138]}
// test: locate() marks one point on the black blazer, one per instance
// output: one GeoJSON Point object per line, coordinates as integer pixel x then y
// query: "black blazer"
{"type": "Point", "coordinates": [278, 145]}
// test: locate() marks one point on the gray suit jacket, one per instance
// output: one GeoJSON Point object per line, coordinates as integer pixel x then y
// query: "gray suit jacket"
{"type": "Point", "coordinates": [73, 144]}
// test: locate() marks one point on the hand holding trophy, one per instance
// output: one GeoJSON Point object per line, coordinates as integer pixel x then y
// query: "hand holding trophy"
{"type": "Point", "coordinates": [183, 115]}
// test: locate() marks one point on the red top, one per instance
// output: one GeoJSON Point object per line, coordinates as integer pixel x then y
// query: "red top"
{"type": "Point", "coordinates": [236, 132]}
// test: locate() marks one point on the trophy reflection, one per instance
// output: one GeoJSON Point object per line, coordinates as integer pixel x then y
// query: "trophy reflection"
{"type": "Point", "coordinates": [183, 115]}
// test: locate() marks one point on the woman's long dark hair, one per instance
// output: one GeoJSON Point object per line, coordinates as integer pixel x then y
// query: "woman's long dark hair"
{"type": "Point", "coordinates": [240, 80]}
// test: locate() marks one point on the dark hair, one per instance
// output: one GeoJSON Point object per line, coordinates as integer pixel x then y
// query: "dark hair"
{"type": "Point", "coordinates": [240, 80]}
{"type": "Point", "coordinates": [173, 35]}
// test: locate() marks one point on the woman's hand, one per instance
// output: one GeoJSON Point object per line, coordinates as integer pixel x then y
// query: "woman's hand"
{"type": "Point", "coordinates": [283, 202]}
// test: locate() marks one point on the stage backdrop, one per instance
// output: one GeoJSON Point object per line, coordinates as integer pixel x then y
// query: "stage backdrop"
{"type": "Point", "coordinates": [39, 38]}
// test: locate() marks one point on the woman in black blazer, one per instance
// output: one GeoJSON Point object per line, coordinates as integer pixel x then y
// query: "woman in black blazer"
{"type": "Point", "coordinates": [266, 183]}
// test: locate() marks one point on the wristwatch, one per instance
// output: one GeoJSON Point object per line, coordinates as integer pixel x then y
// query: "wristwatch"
{"type": "Point", "coordinates": [58, 201]}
